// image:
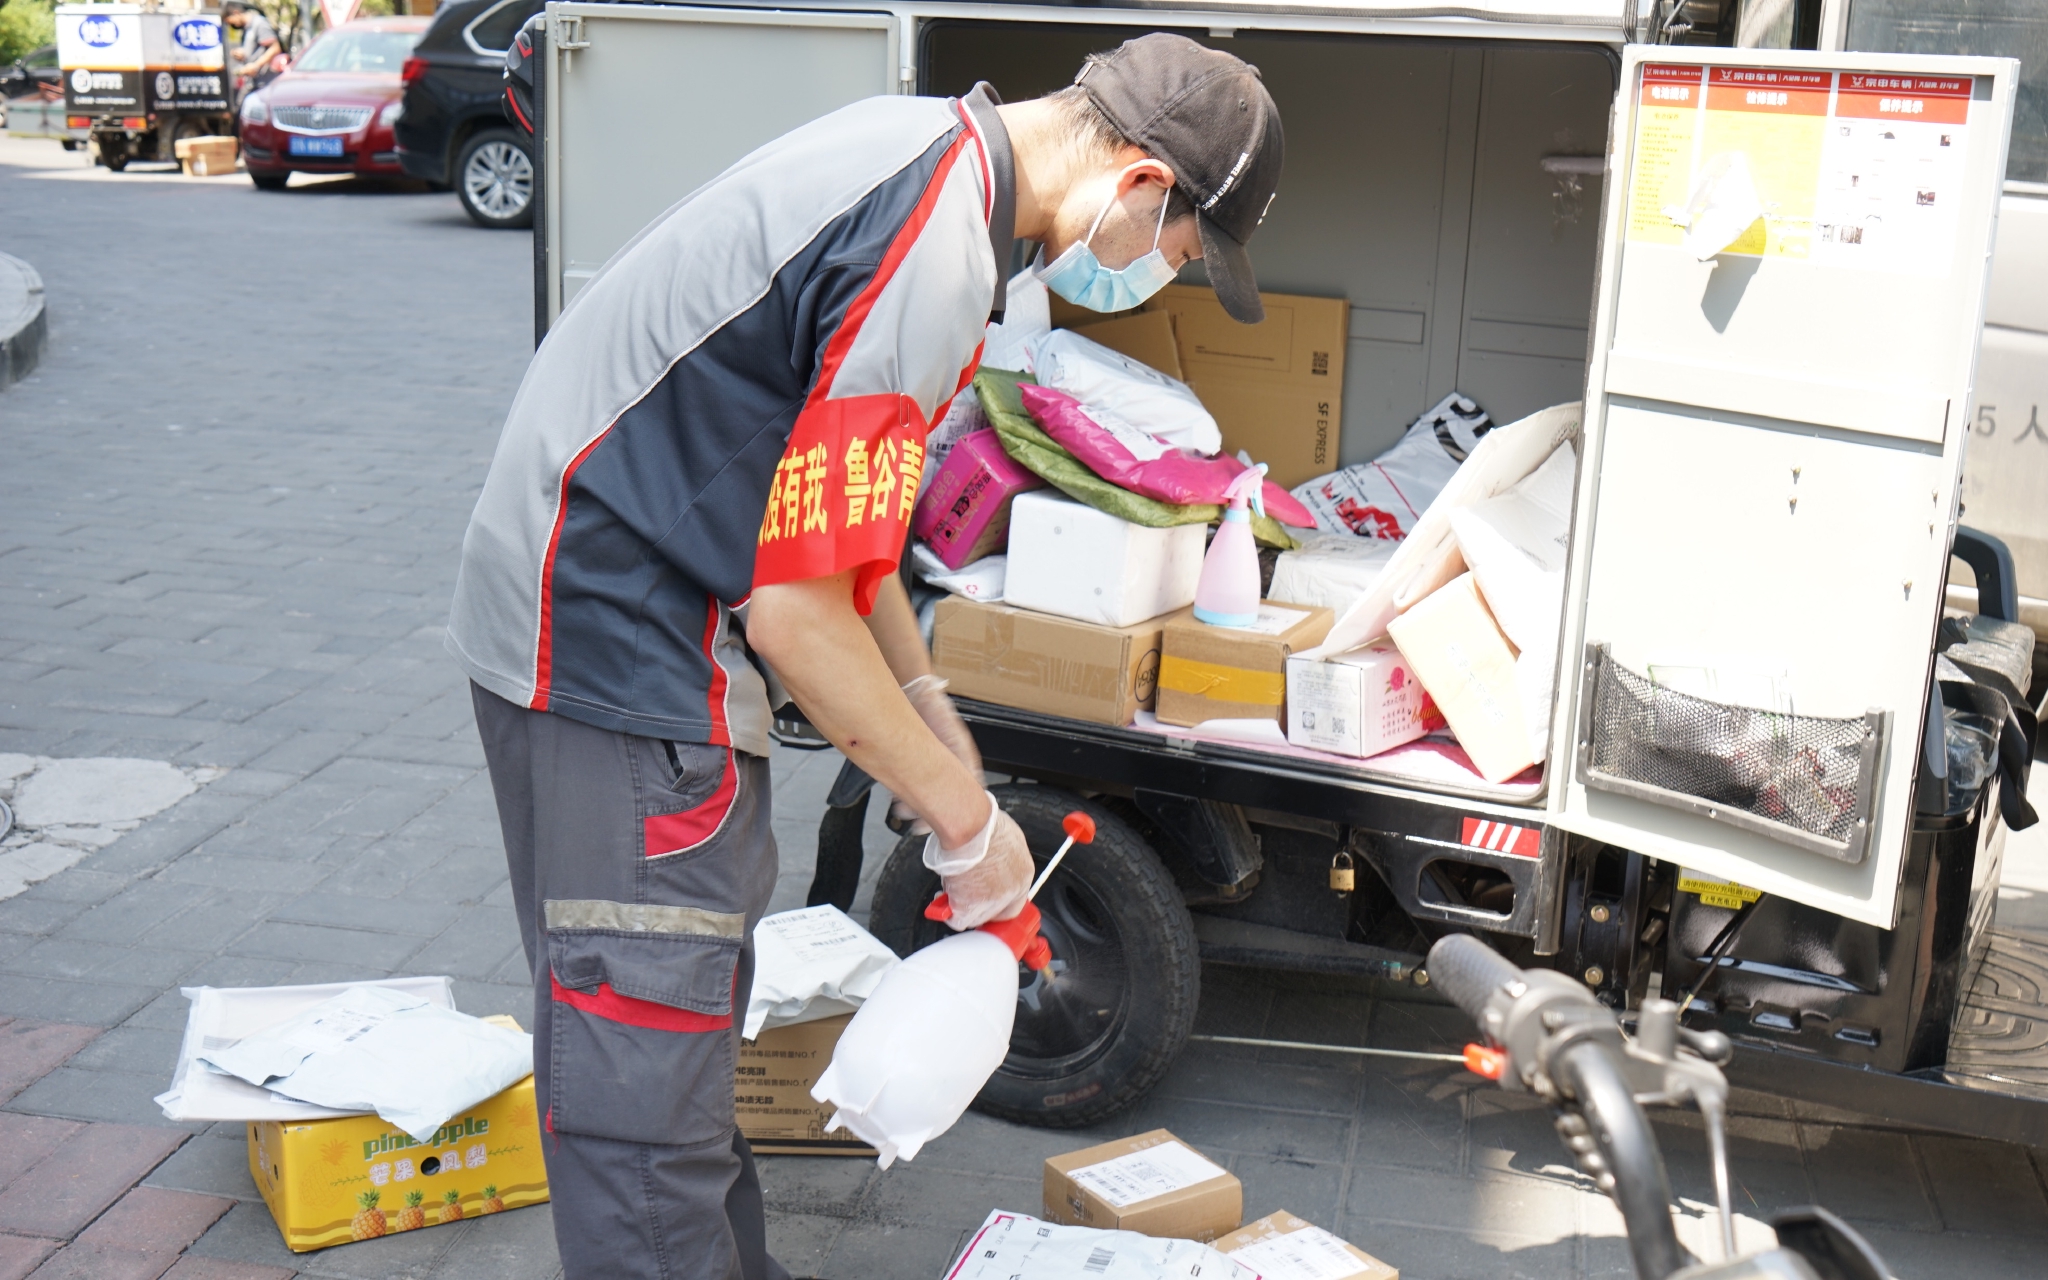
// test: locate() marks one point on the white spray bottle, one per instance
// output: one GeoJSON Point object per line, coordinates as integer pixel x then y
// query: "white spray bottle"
{"type": "Point", "coordinates": [1227, 594]}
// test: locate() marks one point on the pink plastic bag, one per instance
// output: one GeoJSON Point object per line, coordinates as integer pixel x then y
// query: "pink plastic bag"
{"type": "Point", "coordinates": [1144, 464]}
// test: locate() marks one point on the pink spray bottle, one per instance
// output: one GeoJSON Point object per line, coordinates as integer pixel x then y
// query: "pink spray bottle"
{"type": "Point", "coordinates": [1228, 593]}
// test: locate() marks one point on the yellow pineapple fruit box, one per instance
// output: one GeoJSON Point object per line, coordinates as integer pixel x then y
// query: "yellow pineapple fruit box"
{"type": "Point", "coordinates": [328, 1182]}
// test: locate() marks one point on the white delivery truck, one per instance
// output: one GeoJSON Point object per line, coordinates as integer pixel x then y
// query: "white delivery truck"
{"type": "Point", "coordinates": [140, 77]}
{"type": "Point", "coordinates": [1771, 444]}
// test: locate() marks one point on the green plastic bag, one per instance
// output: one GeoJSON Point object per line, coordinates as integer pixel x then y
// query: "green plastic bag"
{"type": "Point", "coordinates": [1047, 459]}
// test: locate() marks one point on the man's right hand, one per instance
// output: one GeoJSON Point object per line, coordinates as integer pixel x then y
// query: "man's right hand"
{"type": "Point", "coordinates": [986, 878]}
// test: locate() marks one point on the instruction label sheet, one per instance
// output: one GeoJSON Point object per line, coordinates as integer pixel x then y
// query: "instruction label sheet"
{"type": "Point", "coordinates": [1854, 170]}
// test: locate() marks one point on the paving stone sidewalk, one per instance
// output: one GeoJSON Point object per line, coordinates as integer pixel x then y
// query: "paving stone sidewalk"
{"type": "Point", "coordinates": [235, 490]}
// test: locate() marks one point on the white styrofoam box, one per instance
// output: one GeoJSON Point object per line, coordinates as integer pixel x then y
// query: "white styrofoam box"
{"type": "Point", "coordinates": [1069, 559]}
{"type": "Point", "coordinates": [1357, 703]}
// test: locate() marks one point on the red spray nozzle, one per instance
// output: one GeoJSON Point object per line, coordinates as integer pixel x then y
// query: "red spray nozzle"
{"type": "Point", "coordinates": [1019, 933]}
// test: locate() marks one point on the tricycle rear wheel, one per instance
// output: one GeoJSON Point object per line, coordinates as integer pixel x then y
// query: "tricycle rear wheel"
{"type": "Point", "coordinates": [1097, 1036]}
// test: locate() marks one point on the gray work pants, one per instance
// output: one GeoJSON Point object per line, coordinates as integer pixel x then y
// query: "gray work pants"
{"type": "Point", "coordinates": [639, 869]}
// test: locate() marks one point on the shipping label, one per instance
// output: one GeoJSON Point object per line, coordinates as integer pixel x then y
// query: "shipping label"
{"type": "Point", "coordinates": [1146, 1175]}
{"type": "Point", "coordinates": [1308, 1254]}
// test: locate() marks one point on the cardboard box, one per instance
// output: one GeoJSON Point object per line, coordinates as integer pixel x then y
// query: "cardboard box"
{"type": "Point", "coordinates": [1357, 703]}
{"type": "Point", "coordinates": [1458, 652]}
{"type": "Point", "coordinates": [1276, 388]}
{"type": "Point", "coordinates": [1144, 336]}
{"type": "Point", "coordinates": [772, 1091]}
{"type": "Point", "coordinates": [328, 1182]}
{"type": "Point", "coordinates": [207, 157]}
{"type": "Point", "coordinates": [1281, 1246]}
{"type": "Point", "coordinates": [1153, 1184]}
{"type": "Point", "coordinates": [1234, 673]}
{"type": "Point", "coordinates": [1070, 559]}
{"type": "Point", "coordinates": [964, 514]}
{"type": "Point", "coordinates": [1037, 662]}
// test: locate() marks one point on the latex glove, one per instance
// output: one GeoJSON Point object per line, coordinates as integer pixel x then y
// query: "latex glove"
{"type": "Point", "coordinates": [987, 877]}
{"type": "Point", "coordinates": [928, 695]}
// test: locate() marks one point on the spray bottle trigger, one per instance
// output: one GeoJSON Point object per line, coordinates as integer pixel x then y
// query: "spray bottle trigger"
{"type": "Point", "coordinates": [939, 908]}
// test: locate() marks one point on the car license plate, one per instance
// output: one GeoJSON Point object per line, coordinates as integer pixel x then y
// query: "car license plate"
{"type": "Point", "coordinates": [301, 146]}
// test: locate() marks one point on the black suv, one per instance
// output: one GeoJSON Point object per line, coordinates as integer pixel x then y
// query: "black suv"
{"type": "Point", "coordinates": [453, 131]}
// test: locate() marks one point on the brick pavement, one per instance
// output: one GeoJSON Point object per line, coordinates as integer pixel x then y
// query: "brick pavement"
{"type": "Point", "coordinates": [236, 487]}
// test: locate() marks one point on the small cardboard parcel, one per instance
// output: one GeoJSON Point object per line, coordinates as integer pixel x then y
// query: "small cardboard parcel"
{"type": "Point", "coordinates": [1153, 1184]}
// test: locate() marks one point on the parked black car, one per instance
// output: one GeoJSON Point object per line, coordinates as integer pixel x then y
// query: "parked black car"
{"type": "Point", "coordinates": [34, 68]}
{"type": "Point", "coordinates": [453, 130]}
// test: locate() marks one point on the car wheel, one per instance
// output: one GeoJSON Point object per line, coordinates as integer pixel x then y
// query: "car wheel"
{"type": "Point", "coordinates": [494, 180]}
{"type": "Point", "coordinates": [1127, 977]}
{"type": "Point", "coordinates": [270, 181]}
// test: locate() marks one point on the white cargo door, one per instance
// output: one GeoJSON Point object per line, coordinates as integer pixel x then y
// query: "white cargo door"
{"type": "Point", "coordinates": [645, 103]}
{"type": "Point", "coordinates": [1774, 440]}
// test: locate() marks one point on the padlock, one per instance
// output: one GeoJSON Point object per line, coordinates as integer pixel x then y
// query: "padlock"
{"type": "Point", "coordinates": [1343, 875]}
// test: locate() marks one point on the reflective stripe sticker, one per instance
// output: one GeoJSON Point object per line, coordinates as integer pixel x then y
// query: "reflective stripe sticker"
{"type": "Point", "coordinates": [612, 1007]}
{"type": "Point", "coordinates": [1502, 837]}
{"type": "Point", "coordinates": [681, 832]}
{"type": "Point", "coordinates": [641, 917]}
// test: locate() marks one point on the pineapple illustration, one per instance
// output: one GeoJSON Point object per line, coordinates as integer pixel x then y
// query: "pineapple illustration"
{"type": "Point", "coordinates": [451, 1205]}
{"type": "Point", "coordinates": [412, 1215]}
{"type": "Point", "coordinates": [369, 1223]}
{"type": "Point", "coordinates": [492, 1204]}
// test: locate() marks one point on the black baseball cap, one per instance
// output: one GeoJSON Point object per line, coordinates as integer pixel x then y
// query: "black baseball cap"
{"type": "Point", "coordinates": [1208, 116]}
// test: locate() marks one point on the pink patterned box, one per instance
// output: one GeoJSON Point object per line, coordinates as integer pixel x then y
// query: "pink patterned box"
{"type": "Point", "coordinates": [965, 513]}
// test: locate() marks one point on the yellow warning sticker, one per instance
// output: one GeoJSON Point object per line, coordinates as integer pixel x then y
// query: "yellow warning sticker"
{"type": "Point", "coordinates": [1718, 893]}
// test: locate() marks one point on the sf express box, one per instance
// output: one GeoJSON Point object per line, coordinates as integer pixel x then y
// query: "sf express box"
{"type": "Point", "coordinates": [772, 1091]}
{"type": "Point", "coordinates": [1234, 673]}
{"type": "Point", "coordinates": [1038, 662]}
{"type": "Point", "coordinates": [1281, 1246]}
{"type": "Point", "coordinates": [1153, 1184]}
{"type": "Point", "coordinates": [328, 1182]}
{"type": "Point", "coordinates": [1276, 388]}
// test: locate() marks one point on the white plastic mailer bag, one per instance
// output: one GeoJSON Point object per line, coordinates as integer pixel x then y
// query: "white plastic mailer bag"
{"type": "Point", "coordinates": [809, 964]}
{"type": "Point", "coordinates": [1017, 1246]}
{"type": "Point", "coordinates": [1383, 499]}
{"type": "Point", "coordinates": [221, 1017]}
{"type": "Point", "coordinates": [1129, 390]}
{"type": "Point", "coordinates": [976, 580]}
{"type": "Point", "coordinates": [375, 1049]}
{"type": "Point", "coordinates": [1329, 569]}
{"type": "Point", "coordinates": [1429, 556]}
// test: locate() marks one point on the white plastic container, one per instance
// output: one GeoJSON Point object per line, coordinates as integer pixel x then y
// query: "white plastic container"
{"type": "Point", "coordinates": [923, 1045]}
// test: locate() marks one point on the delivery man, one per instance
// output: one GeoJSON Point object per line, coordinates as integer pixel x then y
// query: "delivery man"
{"type": "Point", "coordinates": [713, 458]}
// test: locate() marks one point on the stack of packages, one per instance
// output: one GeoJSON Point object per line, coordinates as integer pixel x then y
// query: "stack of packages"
{"type": "Point", "coordinates": [1072, 487]}
{"type": "Point", "coordinates": [1153, 1208]}
{"type": "Point", "coordinates": [1456, 634]}
{"type": "Point", "coordinates": [1062, 530]}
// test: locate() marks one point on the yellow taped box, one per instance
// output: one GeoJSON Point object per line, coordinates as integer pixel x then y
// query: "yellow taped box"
{"type": "Point", "coordinates": [1040, 662]}
{"type": "Point", "coordinates": [1234, 673]}
{"type": "Point", "coordinates": [1281, 1246]}
{"type": "Point", "coordinates": [328, 1182]}
{"type": "Point", "coordinates": [1153, 1184]}
{"type": "Point", "coordinates": [772, 1091]}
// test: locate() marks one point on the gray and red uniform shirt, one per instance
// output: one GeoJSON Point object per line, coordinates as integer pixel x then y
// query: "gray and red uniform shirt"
{"type": "Point", "coordinates": [739, 398]}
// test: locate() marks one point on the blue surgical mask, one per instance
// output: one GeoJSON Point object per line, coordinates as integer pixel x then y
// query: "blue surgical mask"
{"type": "Point", "coordinates": [1079, 276]}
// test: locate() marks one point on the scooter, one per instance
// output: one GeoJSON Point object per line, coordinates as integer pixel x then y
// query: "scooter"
{"type": "Point", "coordinates": [1546, 1034]}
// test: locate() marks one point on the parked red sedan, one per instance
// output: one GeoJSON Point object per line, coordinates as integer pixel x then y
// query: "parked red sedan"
{"type": "Point", "coordinates": [333, 111]}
